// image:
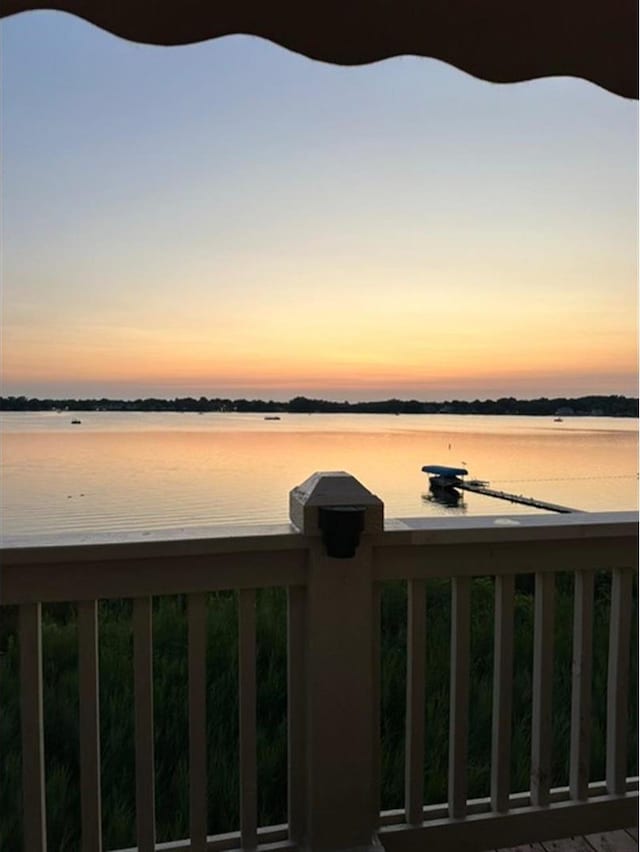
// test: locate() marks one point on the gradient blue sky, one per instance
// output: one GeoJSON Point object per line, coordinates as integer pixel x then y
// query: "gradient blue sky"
{"type": "Point", "coordinates": [232, 219]}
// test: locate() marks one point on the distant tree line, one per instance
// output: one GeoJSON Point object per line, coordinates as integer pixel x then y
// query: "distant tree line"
{"type": "Point", "coordinates": [604, 406]}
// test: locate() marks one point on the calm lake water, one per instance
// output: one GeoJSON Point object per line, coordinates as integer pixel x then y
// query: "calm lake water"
{"type": "Point", "coordinates": [145, 471]}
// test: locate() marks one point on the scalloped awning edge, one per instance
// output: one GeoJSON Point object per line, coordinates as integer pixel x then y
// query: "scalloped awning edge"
{"type": "Point", "coordinates": [502, 41]}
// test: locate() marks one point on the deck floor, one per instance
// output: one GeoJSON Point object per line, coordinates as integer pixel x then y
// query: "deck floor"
{"type": "Point", "coordinates": [611, 841]}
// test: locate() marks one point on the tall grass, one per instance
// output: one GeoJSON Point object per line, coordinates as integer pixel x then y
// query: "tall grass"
{"type": "Point", "coordinates": [60, 675]}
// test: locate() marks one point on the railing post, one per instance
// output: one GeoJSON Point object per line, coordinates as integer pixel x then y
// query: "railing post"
{"type": "Point", "coordinates": [339, 515]}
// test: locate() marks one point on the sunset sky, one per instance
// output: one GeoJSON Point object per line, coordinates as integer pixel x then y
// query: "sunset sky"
{"type": "Point", "coordinates": [231, 219]}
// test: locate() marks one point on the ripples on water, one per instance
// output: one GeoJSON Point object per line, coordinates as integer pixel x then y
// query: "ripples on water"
{"type": "Point", "coordinates": [147, 471]}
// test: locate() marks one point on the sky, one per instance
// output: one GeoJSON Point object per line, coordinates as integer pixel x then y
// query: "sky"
{"type": "Point", "coordinates": [232, 219]}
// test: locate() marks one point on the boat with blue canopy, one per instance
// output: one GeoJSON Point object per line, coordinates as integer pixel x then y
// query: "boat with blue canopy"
{"type": "Point", "coordinates": [444, 470]}
{"type": "Point", "coordinates": [443, 477]}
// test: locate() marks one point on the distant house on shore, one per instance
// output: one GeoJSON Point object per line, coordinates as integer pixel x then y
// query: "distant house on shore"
{"type": "Point", "coordinates": [564, 411]}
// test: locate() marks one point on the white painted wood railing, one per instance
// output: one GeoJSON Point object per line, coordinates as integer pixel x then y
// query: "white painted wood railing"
{"type": "Point", "coordinates": [333, 702]}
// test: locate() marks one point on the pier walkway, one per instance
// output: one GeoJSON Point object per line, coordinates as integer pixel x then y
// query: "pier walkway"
{"type": "Point", "coordinates": [514, 498]}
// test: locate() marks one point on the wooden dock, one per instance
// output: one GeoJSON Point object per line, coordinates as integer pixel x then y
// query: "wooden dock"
{"type": "Point", "coordinates": [612, 841]}
{"type": "Point", "coordinates": [514, 498]}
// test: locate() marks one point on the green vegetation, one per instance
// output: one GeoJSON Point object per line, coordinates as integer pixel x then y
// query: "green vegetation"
{"type": "Point", "coordinates": [606, 406]}
{"type": "Point", "coordinates": [170, 676]}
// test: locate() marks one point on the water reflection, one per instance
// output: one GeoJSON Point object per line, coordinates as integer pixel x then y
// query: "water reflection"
{"type": "Point", "coordinates": [449, 498]}
{"type": "Point", "coordinates": [131, 473]}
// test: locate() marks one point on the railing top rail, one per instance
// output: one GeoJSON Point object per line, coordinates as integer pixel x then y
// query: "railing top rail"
{"type": "Point", "coordinates": [213, 558]}
{"type": "Point", "coordinates": [492, 528]}
{"type": "Point", "coordinates": [234, 558]}
{"type": "Point", "coordinates": [522, 544]}
{"type": "Point", "coordinates": [147, 544]}
{"type": "Point", "coordinates": [192, 541]}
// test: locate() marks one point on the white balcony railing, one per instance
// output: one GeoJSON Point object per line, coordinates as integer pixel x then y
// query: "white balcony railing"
{"type": "Point", "coordinates": [333, 658]}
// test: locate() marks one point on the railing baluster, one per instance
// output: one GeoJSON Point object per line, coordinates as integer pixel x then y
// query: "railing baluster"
{"type": "Point", "coordinates": [296, 711]}
{"type": "Point", "coordinates": [459, 699]}
{"type": "Point", "coordinates": [414, 736]}
{"type": "Point", "coordinates": [618, 681]}
{"type": "Point", "coordinates": [542, 688]}
{"type": "Point", "coordinates": [376, 660]}
{"type": "Point", "coordinates": [502, 692]}
{"type": "Point", "coordinates": [143, 680]}
{"type": "Point", "coordinates": [197, 620]}
{"type": "Point", "coordinates": [581, 685]}
{"type": "Point", "coordinates": [89, 726]}
{"type": "Point", "coordinates": [33, 789]}
{"type": "Point", "coordinates": [247, 709]}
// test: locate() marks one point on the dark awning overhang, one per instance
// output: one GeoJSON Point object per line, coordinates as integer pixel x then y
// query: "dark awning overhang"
{"type": "Point", "coordinates": [504, 41]}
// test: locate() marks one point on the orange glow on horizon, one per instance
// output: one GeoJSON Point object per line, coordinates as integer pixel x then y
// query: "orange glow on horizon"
{"type": "Point", "coordinates": [346, 337]}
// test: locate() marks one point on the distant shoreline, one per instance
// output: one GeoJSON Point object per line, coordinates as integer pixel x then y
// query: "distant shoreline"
{"type": "Point", "coordinates": [586, 406]}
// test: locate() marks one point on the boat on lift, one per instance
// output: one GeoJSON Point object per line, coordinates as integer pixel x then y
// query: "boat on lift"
{"type": "Point", "coordinates": [446, 484]}
{"type": "Point", "coordinates": [444, 478]}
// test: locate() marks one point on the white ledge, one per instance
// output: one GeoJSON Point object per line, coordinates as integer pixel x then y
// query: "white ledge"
{"type": "Point", "coordinates": [492, 528]}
